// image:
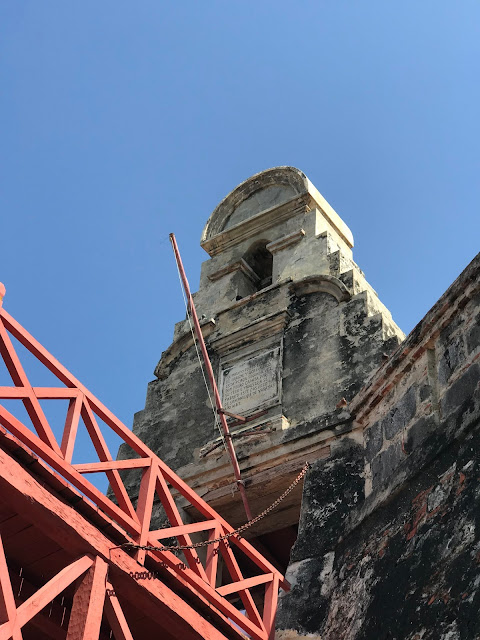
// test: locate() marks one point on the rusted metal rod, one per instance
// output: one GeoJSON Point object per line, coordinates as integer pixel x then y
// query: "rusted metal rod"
{"type": "Point", "coordinates": [211, 377]}
{"type": "Point", "coordinates": [232, 415]}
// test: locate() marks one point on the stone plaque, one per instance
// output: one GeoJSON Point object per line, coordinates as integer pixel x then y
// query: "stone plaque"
{"type": "Point", "coordinates": [252, 383]}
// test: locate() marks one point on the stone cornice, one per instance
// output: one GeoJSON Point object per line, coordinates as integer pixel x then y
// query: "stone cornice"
{"type": "Point", "coordinates": [257, 294]}
{"type": "Point", "coordinates": [286, 241]}
{"type": "Point", "coordinates": [179, 346]}
{"type": "Point", "coordinates": [321, 283]}
{"type": "Point", "coordinates": [262, 328]}
{"type": "Point", "coordinates": [282, 452]}
{"type": "Point", "coordinates": [290, 177]}
{"type": "Point", "coordinates": [465, 287]}
{"type": "Point", "coordinates": [216, 238]}
{"type": "Point", "coordinates": [239, 265]}
{"type": "Point", "coordinates": [256, 224]}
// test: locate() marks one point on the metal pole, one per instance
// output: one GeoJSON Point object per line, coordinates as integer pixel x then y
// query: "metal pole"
{"type": "Point", "coordinates": [211, 377]}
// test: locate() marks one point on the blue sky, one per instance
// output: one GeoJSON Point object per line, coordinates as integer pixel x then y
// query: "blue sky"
{"type": "Point", "coordinates": [124, 121]}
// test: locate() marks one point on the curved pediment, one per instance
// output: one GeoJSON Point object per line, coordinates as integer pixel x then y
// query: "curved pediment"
{"type": "Point", "coordinates": [321, 284]}
{"type": "Point", "coordinates": [261, 192]}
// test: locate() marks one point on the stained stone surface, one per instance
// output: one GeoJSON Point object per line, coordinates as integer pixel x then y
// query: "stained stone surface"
{"type": "Point", "coordinates": [389, 523]}
{"type": "Point", "coordinates": [251, 383]}
{"type": "Point", "coordinates": [291, 351]}
{"type": "Point", "coordinates": [260, 201]}
{"type": "Point", "coordinates": [389, 536]}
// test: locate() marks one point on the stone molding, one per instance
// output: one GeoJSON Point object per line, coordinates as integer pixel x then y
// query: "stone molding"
{"type": "Point", "coordinates": [179, 346]}
{"type": "Point", "coordinates": [241, 266]}
{"type": "Point", "coordinates": [257, 224]}
{"type": "Point", "coordinates": [286, 241]}
{"type": "Point", "coordinates": [401, 361]}
{"type": "Point", "coordinates": [264, 327]}
{"type": "Point", "coordinates": [288, 176]}
{"type": "Point", "coordinates": [321, 283]}
{"type": "Point", "coordinates": [215, 238]}
{"type": "Point", "coordinates": [253, 431]}
{"type": "Point", "coordinates": [240, 303]}
{"type": "Point", "coordinates": [270, 456]}
{"type": "Point", "coordinates": [285, 441]}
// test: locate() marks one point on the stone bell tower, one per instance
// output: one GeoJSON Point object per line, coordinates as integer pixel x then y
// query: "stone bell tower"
{"type": "Point", "coordinates": [293, 331]}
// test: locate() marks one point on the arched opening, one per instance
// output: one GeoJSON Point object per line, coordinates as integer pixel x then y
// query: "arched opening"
{"type": "Point", "coordinates": [260, 260]}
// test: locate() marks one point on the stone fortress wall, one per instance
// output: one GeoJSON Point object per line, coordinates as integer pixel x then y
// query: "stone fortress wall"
{"type": "Point", "coordinates": [389, 537]}
{"type": "Point", "coordinates": [386, 534]}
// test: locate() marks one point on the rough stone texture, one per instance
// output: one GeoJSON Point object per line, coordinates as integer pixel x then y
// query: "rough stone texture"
{"type": "Point", "coordinates": [319, 314]}
{"type": "Point", "coordinates": [389, 538]}
{"type": "Point", "coordinates": [293, 635]}
{"type": "Point", "coordinates": [389, 543]}
{"type": "Point", "coordinates": [260, 201]}
{"type": "Point", "coordinates": [262, 192]}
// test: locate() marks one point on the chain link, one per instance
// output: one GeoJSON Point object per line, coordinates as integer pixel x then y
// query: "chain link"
{"type": "Point", "coordinates": [226, 536]}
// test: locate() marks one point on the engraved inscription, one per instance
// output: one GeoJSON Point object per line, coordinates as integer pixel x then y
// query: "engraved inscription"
{"type": "Point", "coordinates": [251, 384]}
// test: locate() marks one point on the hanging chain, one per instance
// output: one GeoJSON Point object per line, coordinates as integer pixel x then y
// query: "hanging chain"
{"type": "Point", "coordinates": [226, 536]}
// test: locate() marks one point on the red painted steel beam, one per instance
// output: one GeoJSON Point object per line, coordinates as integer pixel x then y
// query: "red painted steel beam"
{"type": "Point", "coordinates": [115, 616]}
{"type": "Point", "coordinates": [15, 393]}
{"type": "Point", "coordinates": [270, 606]}
{"type": "Point", "coordinates": [120, 429]}
{"type": "Point", "coordinates": [28, 609]}
{"type": "Point", "coordinates": [30, 402]}
{"type": "Point", "coordinates": [211, 561]}
{"type": "Point", "coordinates": [71, 427]}
{"type": "Point", "coordinates": [146, 496]}
{"type": "Point", "coordinates": [66, 470]}
{"type": "Point", "coordinates": [248, 583]}
{"type": "Point", "coordinates": [194, 527]}
{"type": "Point", "coordinates": [87, 608]}
{"type": "Point", "coordinates": [211, 377]}
{"type": "Point", "coordinates": [109, 465]}
{"type": "Point", "coordinates": [8, 610]}
{"type": "Point", "coordinates": [69, 529]}
{"type": "Point", "coordinates": [82, 402]}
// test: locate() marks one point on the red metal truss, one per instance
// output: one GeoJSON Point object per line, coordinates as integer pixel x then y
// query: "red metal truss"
{"type": "Point", "coordinates": [197, 573]}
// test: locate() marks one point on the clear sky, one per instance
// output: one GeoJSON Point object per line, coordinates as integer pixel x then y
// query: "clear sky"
{"type": "Point", "coordinates": [124, 121]}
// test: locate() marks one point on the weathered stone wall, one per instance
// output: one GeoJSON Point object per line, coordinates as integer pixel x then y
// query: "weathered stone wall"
{"type": "Point", "coordinates": [389, 539]}
{"type": "Point", "coordinates": [321, 322]}
{"type": "Point", "coordinates": [329, 348]}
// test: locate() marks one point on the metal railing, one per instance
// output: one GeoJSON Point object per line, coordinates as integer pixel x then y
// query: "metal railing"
{"type": "Point", "coordinates": [158, 480]}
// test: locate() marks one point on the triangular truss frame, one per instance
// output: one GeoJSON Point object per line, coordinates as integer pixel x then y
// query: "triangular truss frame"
{"type": "Point", "coordinates": [158, 480]}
